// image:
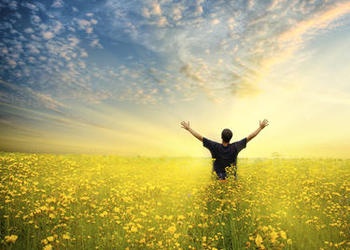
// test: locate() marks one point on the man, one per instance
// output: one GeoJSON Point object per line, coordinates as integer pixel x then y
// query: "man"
{"type": "Point", "coordinates": [224, 153]}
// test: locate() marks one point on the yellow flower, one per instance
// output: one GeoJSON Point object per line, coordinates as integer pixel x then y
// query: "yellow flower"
{"type": "Point", "coordinates": [50, 238]}
{"type": "Point", "coordinates": [283, 235]}
{"type": "Point", "coordinates": [181, 217]}
{"type": "Point", "coordinates": [47, 247]}
{"type": "Point", "coordinates": [103, 214]}
{"type": "Point", "coordinates": [11, 238]}
{"type": "Point", "coordinates": [66, 236]}
{"type": "Point", "coordinates": [273, 236]}
{"type": "Point", "coordinates": [265, 229]}
{"type": "Point", "coordinates": [133, 229]}
{"type": "Point", "coordinates": [258, 240]}
{"type": "Point", "coordinates": [171, 229]}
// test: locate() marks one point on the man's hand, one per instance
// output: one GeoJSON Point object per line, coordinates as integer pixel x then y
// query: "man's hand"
{"type": "Point", "coordinates": [263, 124]}
{"type": "Point", "coordinates": [185, 125]}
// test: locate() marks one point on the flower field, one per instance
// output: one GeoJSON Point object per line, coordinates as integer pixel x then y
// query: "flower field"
{"type": "Point", "coordinates": [109, 202]}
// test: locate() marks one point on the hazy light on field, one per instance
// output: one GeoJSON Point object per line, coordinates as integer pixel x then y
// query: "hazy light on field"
{"type": "Point", "coordinates": [111, 202]}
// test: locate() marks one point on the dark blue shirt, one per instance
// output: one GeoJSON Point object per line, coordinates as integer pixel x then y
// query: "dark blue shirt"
{"type": "Point", "coordinates": [224, 156]}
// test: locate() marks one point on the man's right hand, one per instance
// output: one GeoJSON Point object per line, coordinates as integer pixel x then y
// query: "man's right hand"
{"type": "Point", "coordinates": [185, 125]}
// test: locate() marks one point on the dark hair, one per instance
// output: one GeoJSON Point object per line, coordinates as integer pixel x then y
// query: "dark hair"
{"type": "Point", "coordinates": [226, 135]}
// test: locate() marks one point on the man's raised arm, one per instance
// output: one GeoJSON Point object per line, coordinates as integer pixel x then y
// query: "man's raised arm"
{"type": "Point", "coordinates": [186, 125]}
{"type": "Point", "coordinates": [262, 124]}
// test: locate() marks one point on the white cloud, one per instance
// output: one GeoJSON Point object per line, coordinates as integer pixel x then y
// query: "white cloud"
{"type": "Point", "coordinates": [57, 4]}
{"type": "Point", "coordinates": [199, 10]}
{"type": "Point", "coordinates": [82, 65]}
{"type": "Point", "coordinates": [86, 25]}
{"type": "Point", "coordinates": [89, 30]}
{"type": "Point", "coordinates": [31, 59]}
{"type": "Point", "coordinates": [73, 41]}
{"type": "Point", "coordinates": [13, 5]}
{"type": "Point", "coordinates": [33, 49]}
{"type": "Point", "coordinates": [162, 21]}
{"type": "Point", "coordinates": [57, 28]}
{"type": "Point", "coordinates": [48, 35]}
{"type": "Point", "coordinates": [35, 19]}
{"type": "Point", "coordinates": [146, 13]}
{"type": "Point", "coordinates": [29, 30]}
{"type": "Point", "coordinates": [30, 6]}
{"type": "Point", "coordinates": [65, 55]}
{"type": "Point", "coordinates": [177, 12]}
{"type": "Point", "coordinates": [95, 43]}
{"type": "Point", "coordinates": [83, 23]}
{"type": "Point", "coordinates": [12, 63]}
{"type": "Point", "coordinates": [215, 21]}
{"type": "Point", "coordinates": [4, 51]}
{"type": "Point", "coordinates": [156, 9]}
{"type": "Point", "coordinates": [83, 54]}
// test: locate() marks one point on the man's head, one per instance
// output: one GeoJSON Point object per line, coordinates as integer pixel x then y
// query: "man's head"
{"type": "Point", "coordinates": [226, 135]}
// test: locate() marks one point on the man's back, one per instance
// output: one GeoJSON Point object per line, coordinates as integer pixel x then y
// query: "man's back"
{"type": "Point", "coordinates": [224, 155]}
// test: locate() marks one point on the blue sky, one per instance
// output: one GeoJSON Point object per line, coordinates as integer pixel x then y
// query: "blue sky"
{"type": "Point", "coordinates": [119, 76]}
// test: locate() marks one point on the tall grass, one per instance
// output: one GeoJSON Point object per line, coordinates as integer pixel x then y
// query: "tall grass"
{"type": "Point", "coordinates": [110, 202]}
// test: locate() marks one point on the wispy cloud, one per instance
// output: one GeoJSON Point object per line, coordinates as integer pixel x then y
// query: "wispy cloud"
{"type": "Point", "coordinates": [292, 39]}
{"type": "Point", "coordinates": [319, 21]}
{"type": "Point", "coordinates": [27, 97]}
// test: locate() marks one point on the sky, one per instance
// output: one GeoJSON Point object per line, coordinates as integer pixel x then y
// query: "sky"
{"type": "Point", "coordinates": [118, 76]}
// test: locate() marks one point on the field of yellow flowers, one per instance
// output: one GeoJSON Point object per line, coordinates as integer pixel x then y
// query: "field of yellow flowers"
{"type": "Point", "coordinates": [110, 202]}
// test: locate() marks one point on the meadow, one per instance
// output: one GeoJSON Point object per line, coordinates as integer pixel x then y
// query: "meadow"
{"type": "Point", "coordinates": [110, 202]}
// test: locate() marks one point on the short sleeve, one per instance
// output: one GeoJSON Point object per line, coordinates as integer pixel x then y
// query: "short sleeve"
{"type": "Point", "coordinates": [207, 143]}
{"type": "Point", "coordinates": [241, 144]}
{"type": "Point", "coordinates": [211, 146]}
